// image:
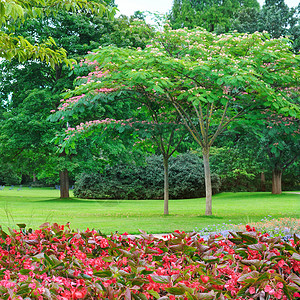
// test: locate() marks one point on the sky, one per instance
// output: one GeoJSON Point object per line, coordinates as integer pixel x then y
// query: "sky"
{"type": "Point", "coordinates": [128, 7]}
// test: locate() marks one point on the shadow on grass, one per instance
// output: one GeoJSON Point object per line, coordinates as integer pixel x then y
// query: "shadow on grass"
{"type": "Point", "coordinates": [210, 217]}
{"type": "Point", "coordinates": [247, 195]}
{"type": "Point", "coordinates": [65, 200]}
{"type": "Point", "coordinates": [76, 200]}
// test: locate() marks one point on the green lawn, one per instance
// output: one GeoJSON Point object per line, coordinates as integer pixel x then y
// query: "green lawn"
{"type": "Point", "coordinates": [36, 206]}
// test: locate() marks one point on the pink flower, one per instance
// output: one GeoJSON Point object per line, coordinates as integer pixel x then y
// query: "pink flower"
{"type": "Point", "coordinates": [252, 290]}
{"type": "Point", "coordinates": [281, 263]}
{"type": "Point", "coordinates": [32, 285]}
{"type": "Point", "coordinates": [268, 288]}
{"type": "Point", "coordinates": [279, 285]}
{"type": "Point", "coordinates": [205, 279]}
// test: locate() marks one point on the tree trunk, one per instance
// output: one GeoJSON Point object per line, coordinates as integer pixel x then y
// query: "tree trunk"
{"type": "Point", "coordinates": [33, 177]}
{"type": "Point", "coordinates": [276, 181]}
{"type": "Point", "coordinates": [262, 182]}
{"type": "Point", "coordinates": [208, 188]}
{"type": "Point", "coordinates": [64, 184]}
{"type": "Point", "coordinates": [166, 186]}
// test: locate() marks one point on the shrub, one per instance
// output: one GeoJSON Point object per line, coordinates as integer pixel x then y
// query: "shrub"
{"type": "Point", "coordinates": [240, 181]}
{"type": "Point", "coordinates": [55, 262]}
{"type": "Point", "coordinates": [8, 175]}
{"type": "Point", "coordinates": [186, 179]}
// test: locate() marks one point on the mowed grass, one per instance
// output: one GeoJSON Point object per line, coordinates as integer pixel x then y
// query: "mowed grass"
{"type": "Point", "coordinates": [39, 205]}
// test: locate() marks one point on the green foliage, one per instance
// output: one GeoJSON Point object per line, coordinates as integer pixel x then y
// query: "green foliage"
{"type": "Point", "coordinates": [15, 13]}
{"type": "Point", "coordinates": [30, 90]}
{"type": "Point", "coordinates": [210, 79]}
{"type": "Point", "coordinates": [9, 175]}
{"type": "Point", "coordinates": [186, 179]}
{"type": "Point", "coordinates": [212, 15]}
{"type": "Point", "coordinates": [275, 17]}
{"type": "Point", "coordinates": [179, 265]}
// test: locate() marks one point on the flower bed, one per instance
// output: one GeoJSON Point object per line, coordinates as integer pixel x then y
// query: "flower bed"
{"type": "Point", "coordinates": [54, 262]}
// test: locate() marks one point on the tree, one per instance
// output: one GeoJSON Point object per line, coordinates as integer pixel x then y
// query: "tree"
{"type": "Point", "coordinates": [15, 13]}
{"type": "Point", "coordinates": [148, 126]}
{"type": "Point", "coordinates": [163, 129]}
{"type": "Point", "coordinates": [76, 34]}
{"type": "Point", "coordinates": [264, 142]}
{"type": "Point", "coordinates": [210, 79]}
{"type": "Point", "coordinates": [275, 17]}
{"type": "Point", "coordinates": [279, 136]}
{"type": "Point", "coordinates": [213, 15]}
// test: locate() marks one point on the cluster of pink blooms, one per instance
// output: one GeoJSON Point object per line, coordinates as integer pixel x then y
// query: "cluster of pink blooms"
{"type": "Point", "coordinates": [68, 102]}
{"type": "Point", "coordinates": [71, 131]}
{"type": "Point", "coordinates": [55, 262]}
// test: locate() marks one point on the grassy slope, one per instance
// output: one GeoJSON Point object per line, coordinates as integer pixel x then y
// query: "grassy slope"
{"type": "Point", "coordinates": [36, 206]}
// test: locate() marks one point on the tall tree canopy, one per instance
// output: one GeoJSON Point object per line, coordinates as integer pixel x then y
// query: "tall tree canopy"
{"type": "Point", "coordinates": [13, 13]}
{"type": "Point", "coordinates": [275, 17]}
{"type": "Point", "coordinates": [209, 14]}
{"type": "Point", "coordinates": [35, 82]}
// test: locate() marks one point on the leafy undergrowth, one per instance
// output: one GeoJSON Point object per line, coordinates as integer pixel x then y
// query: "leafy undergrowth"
{"type": "Point", "coordinates": [55, 262]}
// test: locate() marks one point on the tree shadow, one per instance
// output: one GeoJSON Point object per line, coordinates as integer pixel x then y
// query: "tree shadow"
{"type": "Point", "coordinates": [65, 200]}
{"type": "Point", "coordinates": [210, 217]}
{"type": "Point", "coordinates": [103, 202]}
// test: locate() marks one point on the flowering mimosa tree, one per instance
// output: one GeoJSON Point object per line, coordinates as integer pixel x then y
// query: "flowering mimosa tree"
{"type": "Point", "coordinates": [152, 125]}
{"type": "Point", "coordinates": [210, 79]}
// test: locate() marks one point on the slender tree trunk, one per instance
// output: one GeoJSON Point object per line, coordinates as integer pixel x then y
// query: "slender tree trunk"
{"type": "Point", "coordinates": [208, 188]}
{"type": "Point", "coordinates": [64, 183]}
{"type": "Point", "coordinates": [166, 185]}
{"type": "Point", "coordinates": [33, 177]}
{"type": "Point", "coordinates": [262, 182]}
{"type": "Point", "coordinates": [276, 181]}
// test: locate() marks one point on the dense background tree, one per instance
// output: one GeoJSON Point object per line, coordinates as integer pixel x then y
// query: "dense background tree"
{"type": "Point", "coordinates": [77, 34]}
{"type": "Point", "coordinates": [278, 136]}
{"type": "Point", "coordinates": [15, 13]}
{"type": "Point", "coordinates": [212, 15]}
{"type": "Point", "coordinates": [275, 17]}
{"type": "Point", "coordinates": [253, 157]}
{"type": "Point", "coordinates": [245, 16]}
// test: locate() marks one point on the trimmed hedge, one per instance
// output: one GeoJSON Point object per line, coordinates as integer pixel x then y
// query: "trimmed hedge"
{"type": "Point", "coordinates": [186, 179]}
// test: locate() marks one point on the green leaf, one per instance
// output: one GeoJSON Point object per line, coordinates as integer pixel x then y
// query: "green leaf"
{"type": "Point", "coordinates": [21, 225]}
{"type": "Point", "coordinates": [24, 271]}
{"type": "Point", "coordinates": [251, 262]}
{"type": "Point", "coordinates": [85, 276]}
{"type": "Point", "coordinates": [248, 238]}
{"type": "Point", "coordinates": [161, 278]}
{"type": "Point", "coordinates": [220, 81]}
{"type": "Point", "coordinates": [253, 274]}
{"type": "Point", "coordinates": [176, 290]}
{"type": "Point", "coordinates": [296, 256]}
{"type": "Point", "coordinates": [104, 273]}
{"type": "Point", "coordinates": [258, 247]}
{"type": "Point", "coordinates": [243, 290]}
{"type": "Point", "coordinates": [153, 293]}
{"type": "Point", "coordinates": [289, 248]}
{"type": "Point", "coordinates": [2, 10]}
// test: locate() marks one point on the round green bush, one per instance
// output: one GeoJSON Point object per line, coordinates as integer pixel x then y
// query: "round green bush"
{"type": "Point", "coordinates": [186, 180]}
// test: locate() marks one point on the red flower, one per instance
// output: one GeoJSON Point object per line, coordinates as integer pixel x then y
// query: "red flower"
{"type": "Point", "coordinates": [205, 279]}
